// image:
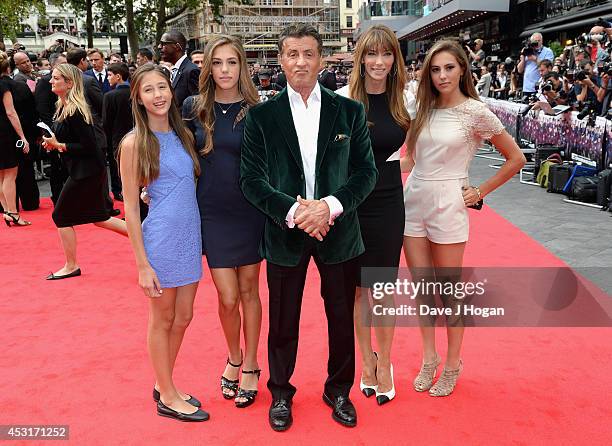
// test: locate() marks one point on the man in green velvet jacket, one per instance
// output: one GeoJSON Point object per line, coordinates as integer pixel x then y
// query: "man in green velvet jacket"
{"type": "Point", "coordinates": [307, 164]}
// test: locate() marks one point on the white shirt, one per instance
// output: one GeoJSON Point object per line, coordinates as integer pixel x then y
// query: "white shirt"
{"type": "Point", "coordinates": [176, 66]}
{"type": "Point", "coordinates": [98, 73]}
{"type": "Point", "coordinates": [305, 120]}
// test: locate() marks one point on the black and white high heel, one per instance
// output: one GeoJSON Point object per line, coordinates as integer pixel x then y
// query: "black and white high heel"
{"type": "Point", "coordinates": [384, 398]}
{"type": "Point", "coordinates": [366, 389]}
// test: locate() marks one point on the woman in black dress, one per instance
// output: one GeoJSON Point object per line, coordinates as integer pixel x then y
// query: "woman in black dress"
{"type": "Point", "coordinates": [232, 228]}
{"type": "Point", "coordinates": [11, 136]}
{"type": "Point", "coordinates": [378, 82]}
{"type": "Point", "coordinates": [84, 197]}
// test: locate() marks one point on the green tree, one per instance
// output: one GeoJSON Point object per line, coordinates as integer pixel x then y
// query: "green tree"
{"type": "Point", "coordinates": [111, 11]}
{"type": "Point", "coordinates": [13, 12]}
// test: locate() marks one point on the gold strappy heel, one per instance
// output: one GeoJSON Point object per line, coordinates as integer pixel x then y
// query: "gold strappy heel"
{"type": "Point", "coordinates": [446, 384]}
{"type": "Point", "coordinates": [424, 379]}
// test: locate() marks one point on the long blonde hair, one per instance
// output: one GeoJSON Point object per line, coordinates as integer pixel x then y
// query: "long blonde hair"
{"type": "Point", "coordinates": [380, 36]}
{"type": "Point", "coordinates": [146, 143]}
{"type": "Point", "coordinates": [427, 94]}
{"type": "Point", "coordinates": [205, 101]}
{"type": "Point", "coordinates": [75, 98]}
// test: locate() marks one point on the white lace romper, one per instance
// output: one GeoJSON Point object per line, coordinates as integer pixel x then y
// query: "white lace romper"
{"type": "Point", "coordinates": [432, 195]}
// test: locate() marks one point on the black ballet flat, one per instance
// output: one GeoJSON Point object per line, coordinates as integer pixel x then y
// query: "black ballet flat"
{"type": "Point", "coordinates": [75, 273]}
{"type": "Point", "coordinates": [165, 411]}
{"type": "Point", "coordinates": [192, 399]}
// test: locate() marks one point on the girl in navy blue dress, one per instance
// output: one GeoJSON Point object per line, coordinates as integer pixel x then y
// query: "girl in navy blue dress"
{"type": "Point", "coordinates": [160, 154]}
{"type": "Point", "coordinates": [232, 228]}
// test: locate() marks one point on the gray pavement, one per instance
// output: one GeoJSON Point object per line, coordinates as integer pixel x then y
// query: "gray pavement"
{"type": "Point", "coordinates": [579, 235]}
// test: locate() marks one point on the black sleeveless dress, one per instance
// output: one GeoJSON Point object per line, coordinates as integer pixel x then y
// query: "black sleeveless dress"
{"type": "Point", "coordinates": [381, 215]}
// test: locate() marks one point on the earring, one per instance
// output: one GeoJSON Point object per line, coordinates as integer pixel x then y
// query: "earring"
{"type": "Point", "coordinates": [362, 70]}
{"type": "Point", "coordinates": [394, 71]}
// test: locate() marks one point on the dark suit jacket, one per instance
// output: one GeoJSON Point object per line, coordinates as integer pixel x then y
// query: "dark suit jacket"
{"type": "Point", "coordinates": [117, 115]}
{"type": "Point", "coordinates": [23, 99]}
{"type": "Point", "coordinates": [272, 174]}
{"type": "Point", "coordinates": [185, 82]}
{"type": "Point", "coordinates": [327, 79]}
{"type": "Point", "coordinates": [83, 158]}
{"type": "Point", "coordinates": [94, 97]}
{"type": "Point", "coordinates": [45, 100]}
{"type": "Point", "coordinates": [106, 86]}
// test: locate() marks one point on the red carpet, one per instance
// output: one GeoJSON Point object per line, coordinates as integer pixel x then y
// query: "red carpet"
{"type": "Point", "coordinates": [74, 353]}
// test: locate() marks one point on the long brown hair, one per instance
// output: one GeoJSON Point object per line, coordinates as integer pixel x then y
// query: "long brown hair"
{"type": "Point", "coordinates": [205, 101]}
{"type": "Point", "coordinates": [75, 97]}
{"type": "Point", "coordinates": [427, 94]}
{"type": "Point", "coordinates": [380, 36]}
{"type": "Point", "coordinates": [147, 144]}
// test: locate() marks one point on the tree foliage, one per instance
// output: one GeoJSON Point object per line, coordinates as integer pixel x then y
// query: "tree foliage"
{"type": "Point", "coordinates": [14, 12]}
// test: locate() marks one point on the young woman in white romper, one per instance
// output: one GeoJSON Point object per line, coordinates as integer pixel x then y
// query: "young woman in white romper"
{"type": "Point", "coordinates": [450, 126]}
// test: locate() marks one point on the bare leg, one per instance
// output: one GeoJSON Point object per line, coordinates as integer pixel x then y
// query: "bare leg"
{"type": "Point", "coordinates": [9, 189]}
{"type": "Point", "coordinates": [419, 258]}
{"type": "Point", "coordinates": [69, 244]}
{"type": "Point", "coordinates": [161, 320]}
{"type": "Point", "coordinates": [2, 198]}
{"type": "Point", "coordinates": [248, 282]}
{"type": "Point", "coordinates": [228, 290]}
{"type": "Point", "coordinates": [115, 225]}
{"type": "Point", "coordinates": [362, 317]}
{"type": "Point", "coordinates": [183, 307]}
{"type": "Point", "coordinates": [450, 256]}
{"type": "Point", "coordinates": [384, 327]}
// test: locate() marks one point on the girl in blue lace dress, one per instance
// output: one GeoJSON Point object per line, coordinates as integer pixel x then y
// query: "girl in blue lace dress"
{"type": "Point", "coordinates": [160, 154]}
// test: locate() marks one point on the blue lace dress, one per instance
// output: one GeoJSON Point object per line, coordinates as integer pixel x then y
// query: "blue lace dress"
{"type": "Point", "coordinates": [171, 231]}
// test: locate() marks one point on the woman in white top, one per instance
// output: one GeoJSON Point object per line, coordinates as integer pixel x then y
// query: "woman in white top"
{"type": "Point", "coordinates": [449, 128]}
{"type": "Point", "coordinates": [378, 83]}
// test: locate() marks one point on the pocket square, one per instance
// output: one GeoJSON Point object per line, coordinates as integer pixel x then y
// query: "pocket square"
{"type": "Point", "coordinates": [341, 137]}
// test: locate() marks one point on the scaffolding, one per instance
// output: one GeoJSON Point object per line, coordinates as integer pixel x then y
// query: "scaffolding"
{"type": "Point", "coordinates": [260, 24]}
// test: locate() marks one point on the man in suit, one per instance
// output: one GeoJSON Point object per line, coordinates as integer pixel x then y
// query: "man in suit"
{"type": "Point", "coordinates": [93, 94]}
{"type": "Point", "coordinates": [117, 107]}
{"type": "Point", "coordinates": [184, 74]}
{"type": "Point", "coordinates": [45, 106]}
{"type": "Point", "coordinates": [97, 70]}
{"type": "Point", "coordinates": [308, 142]}
{"type": "Point", "coordinates": [327, 78]}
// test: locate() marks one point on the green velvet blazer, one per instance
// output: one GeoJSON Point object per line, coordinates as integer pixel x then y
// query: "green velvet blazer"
{"type": "Point", "coordinates": [272, 175]}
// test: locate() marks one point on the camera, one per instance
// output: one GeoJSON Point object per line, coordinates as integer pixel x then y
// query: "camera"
{"type": "Point", "coordinates": [606, 69]}
{"type": "Point", "coordinates": [580, 75]}
{"type": "Point", "coordinates": [547, 87]}
{"type": "Point", "coordinates": [588, 110]}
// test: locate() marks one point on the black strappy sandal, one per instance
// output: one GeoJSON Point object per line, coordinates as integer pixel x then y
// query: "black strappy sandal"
{"type": "Point", "coordinates": [17, 221]}
{"type": "Point", "coordinates": [230, 384]}
{"type": "Point", "coordinates": [248, 394]}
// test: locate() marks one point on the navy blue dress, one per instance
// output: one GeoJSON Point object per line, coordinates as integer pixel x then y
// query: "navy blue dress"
{"type": "Point", "coordinates": [232, 228]}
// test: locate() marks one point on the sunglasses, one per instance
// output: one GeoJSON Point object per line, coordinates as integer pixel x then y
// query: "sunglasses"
{"type": "Point", "coordinates": [169, 42]}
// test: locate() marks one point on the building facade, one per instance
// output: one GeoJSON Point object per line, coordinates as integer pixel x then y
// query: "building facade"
{"type": "Point", "coordinates": [349, 20]}
{"type": "Point", "coordinates": [259, 25]}
{"type": "Point", "coordinates": [63, 26]}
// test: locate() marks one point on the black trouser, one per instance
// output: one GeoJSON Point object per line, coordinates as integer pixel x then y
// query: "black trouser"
{"type": "Point", "coordinates": [286, 287]}
{"type": "Point", "coordinates": [115, 179]}
{"type": "Point", "coordinates": [57, 175]}
{"type": "Point", "coordinates": [25, 183]}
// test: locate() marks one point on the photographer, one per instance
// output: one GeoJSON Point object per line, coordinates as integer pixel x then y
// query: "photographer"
{"type": "Point", "coordinates": [598, 39]}
{"type": "Point", "coordinates": [604, 95]}
{"type": "Point", "coordinates": [527, 66]}
{"type": "Point", "coordinates": [552, 87]}
{"type": "Point", "coordinates": [266, 88]}
{"type": "Point", "coordinates": [586, 86]}
{"type": "Point", "coordinates": [477, 56]}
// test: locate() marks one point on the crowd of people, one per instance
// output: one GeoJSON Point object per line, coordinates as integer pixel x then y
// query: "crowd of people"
{"type": "Point", "coordinates": [208, 165]}
{"type": "Point", "coordinates": [578, 77]}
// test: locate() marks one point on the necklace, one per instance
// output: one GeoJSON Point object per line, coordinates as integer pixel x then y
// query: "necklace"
{"type": "Point", "coordinates": [225, 110]}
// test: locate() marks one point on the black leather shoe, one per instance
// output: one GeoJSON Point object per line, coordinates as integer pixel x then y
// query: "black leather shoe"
{"type": "Point", "coordinates": [192, 400]}
{"type": "Point", "coordinates": [165, 411]}
{"type": "Point", "coordinates": [75, 273]}
{"type": "Point", "coordinates": [118, 196]}
{"type": "Point", "coordinates": [280, 415]}
{"type": "Point", "coordinates": [343, 410]}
